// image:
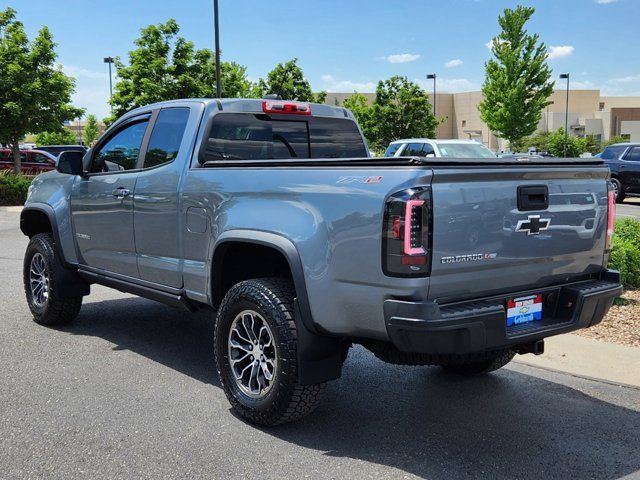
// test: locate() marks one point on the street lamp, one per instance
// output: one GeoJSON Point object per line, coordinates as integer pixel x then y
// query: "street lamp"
{"type": "Point", "coordinates": [432, 76]}
{"type": "Point", "coordinates": [566, 114]}
{"type": "Point", "coordinates": [217, 41]}
{"type": "Point", "coordinates": [109, 60]}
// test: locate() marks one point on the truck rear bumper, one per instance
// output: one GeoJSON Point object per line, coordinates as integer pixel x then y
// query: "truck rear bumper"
{"type": "Point", "coordinates": [479, 325]}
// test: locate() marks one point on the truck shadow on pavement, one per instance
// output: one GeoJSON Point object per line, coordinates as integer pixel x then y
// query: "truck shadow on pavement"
{"type": "Point", "coordinates": [517, 423]}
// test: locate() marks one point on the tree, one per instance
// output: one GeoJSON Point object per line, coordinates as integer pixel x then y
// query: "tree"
{"type": "Point", "coordinates": [287, 80]}
{"type": "Point", "coordinates": [517, 87]}
{"type": "Point", "coordinates": [62, 137]}
{"type": "Point", "coordinates": [363, 112]}
{"type": "Point", "coordinates": [34, 94]}
{"type": "Point", "coordinates": [401, 110]}
{"type": "Point", "coordinates": [575, 146]}
{"type": "Point", "coordinates": [165, 66]}
{"type": "Point", "coordinates": [91, 130]}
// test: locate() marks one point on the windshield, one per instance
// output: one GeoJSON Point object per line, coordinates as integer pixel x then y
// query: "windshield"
{"type": "Point", "coordinates": [464, 150]}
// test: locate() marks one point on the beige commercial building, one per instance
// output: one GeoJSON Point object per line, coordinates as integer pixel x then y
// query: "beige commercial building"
{"type": "Point", "coordinates": [589, 114]}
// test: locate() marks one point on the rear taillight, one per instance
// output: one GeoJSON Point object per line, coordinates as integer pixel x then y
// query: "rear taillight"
{"type": "Point", "coordinates": [611, 214]}
{"type": "Point", "coordinates": [406, 235]}
{"type": "Point", "coordinates": [288, 107]}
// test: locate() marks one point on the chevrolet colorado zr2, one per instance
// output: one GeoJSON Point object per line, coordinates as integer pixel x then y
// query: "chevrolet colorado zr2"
{"type": "Point", "coordinates": [272, 215]}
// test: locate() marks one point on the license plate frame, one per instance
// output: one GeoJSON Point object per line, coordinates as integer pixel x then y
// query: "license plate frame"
{"type": "Point", "coordinates": [524, 309]}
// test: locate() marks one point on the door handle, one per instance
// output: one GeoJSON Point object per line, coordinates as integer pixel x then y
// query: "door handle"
{"type": "Point", "coordinates": [121, 192]}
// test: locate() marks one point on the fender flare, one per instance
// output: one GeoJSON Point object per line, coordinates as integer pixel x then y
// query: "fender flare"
{"type": "Point", "coordinates": [48, 211]}
{"type": "Point", "coordinates": [320, 356]}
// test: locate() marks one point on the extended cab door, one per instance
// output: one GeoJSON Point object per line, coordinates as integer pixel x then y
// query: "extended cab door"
{"type": "Point", "coordinates": [157, 220]}
{"type": "Point", "coordinates": [102, 200]}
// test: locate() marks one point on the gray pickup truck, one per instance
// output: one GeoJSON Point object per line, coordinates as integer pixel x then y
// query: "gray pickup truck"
{"type": "Point", "coordinates": [271, 214]}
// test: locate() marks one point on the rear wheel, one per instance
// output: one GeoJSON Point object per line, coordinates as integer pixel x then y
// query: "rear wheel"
{"type": "Point", "coordinates": [41, 284]}
{"type": "Point", "coordinates": [256, 353]}
{"type": "Point", "coordinates": [617, 190]}
{"type": "Point", "coordinates": [483, 366]}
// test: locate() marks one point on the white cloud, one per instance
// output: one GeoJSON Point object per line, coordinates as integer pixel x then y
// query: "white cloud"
{"type": "Point", "coordinates": [402, 58]}
{"type": "Point", "coordinates": [604, 2]}
{"type": "Point", "coordinates": [76, 72]}
{"type": "Point", "coordinates": [629, 85]}
{"type": "Point", "coordinates": [92, 89]}
{"type": "Point", "coordinates": [450, 85]}
{"type": "Point", "coordinates": [577, 85]}
{"type": "Point", "coordinates": [333, 85]}
{"type": "Point", "coordinates": [456, 62]}
{"type": "Point", "coordinates": [560, 51]}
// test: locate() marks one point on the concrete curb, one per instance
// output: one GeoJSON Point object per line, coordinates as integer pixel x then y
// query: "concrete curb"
{"type": "Point", "coordinates": [589, 358]}
{"type": "Point", "coordinates": [11, 209]}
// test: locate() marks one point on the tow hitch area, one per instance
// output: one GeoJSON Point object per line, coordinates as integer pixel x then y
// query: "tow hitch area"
{"type": "Point", "coordinates": [537, 348]}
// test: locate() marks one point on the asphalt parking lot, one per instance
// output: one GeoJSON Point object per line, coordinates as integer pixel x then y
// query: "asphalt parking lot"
{"type": "Point", "coordinates": [630, 208]}
{"type": "Point", "coordinates": [130, 391]}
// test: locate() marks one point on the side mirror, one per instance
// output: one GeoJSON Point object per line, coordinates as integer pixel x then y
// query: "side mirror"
{"type": "Point", "coordinates": [70, 162]}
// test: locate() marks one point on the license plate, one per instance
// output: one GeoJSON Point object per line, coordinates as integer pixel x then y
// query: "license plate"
{"type": "Point", "coordinates": [524, 309]}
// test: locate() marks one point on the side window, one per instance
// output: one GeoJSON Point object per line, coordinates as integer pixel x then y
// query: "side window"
{"type": "Point", "coordinates": [166, 136]}
{"type": "Point", "coordinates": [392, 149]}
{"type": "Point", "coordinates": [121, 150]}
{"type": "Point", "coordinates": [611, 153]}
{"type": "Point", "coordinates": [413, 150]}
{"type": "Point", "coordinates": [427, 149]}
{"type": "Point", "coordinates": [633, 155]}
{"type": "Point", "coordinates": [39, 158]}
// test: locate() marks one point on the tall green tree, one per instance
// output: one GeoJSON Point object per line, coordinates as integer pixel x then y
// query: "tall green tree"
{"type": "Point", "coordinates": [517, 84]}
{"type": "Point", "coordinates": [166, 66]}
{"type": "Point", "coordinates": [401, 110]}
{"type": "Point", "coordinates": [363, 112]}
{"type": "Point", "coordinates": [91, 130]}
{"type": "Point", "coordinates": [35, 96]}
{"type": "Point", "coordinates": [288, 81]}
{"type": "Point", "coordinates": [61, 137]}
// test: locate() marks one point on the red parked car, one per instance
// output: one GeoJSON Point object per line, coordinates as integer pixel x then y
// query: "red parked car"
{"type": "Point", "coordinates": [32, 161]}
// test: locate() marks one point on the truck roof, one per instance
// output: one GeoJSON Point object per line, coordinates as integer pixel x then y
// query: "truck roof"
{"type": "Point", "coordinates": [246, 105]}
{"type": "Point", "coordinates": [425, 140]}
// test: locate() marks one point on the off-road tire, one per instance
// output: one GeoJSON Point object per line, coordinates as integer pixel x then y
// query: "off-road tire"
{"type": "Point", "coordinates": [287, 400]}
{"type": "Point", "coordinates": [483, 366]}
{"type": "Point", "coordinates": [55, 310]}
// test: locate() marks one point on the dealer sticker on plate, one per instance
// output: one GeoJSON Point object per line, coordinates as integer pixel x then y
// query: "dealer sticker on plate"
{"type": "Point", "coordinates": [524, 309]}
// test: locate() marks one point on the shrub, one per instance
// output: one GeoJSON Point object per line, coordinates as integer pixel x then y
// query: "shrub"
{"type": "Point", "coordinates": [625, 254]}
{"type": "Point", "coordinates": [13, 189]}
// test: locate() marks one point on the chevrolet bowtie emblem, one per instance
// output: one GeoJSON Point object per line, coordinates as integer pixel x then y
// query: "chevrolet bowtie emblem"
{"type": "Point", "coordinates": [533, 225]}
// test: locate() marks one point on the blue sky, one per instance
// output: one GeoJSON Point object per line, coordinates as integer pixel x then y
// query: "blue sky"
{"type": "Point", "coordinates": [348, 45]}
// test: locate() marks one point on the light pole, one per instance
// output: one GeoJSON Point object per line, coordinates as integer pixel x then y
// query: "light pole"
{"type": "Point", "coordinates": [217, 41]}
{"type": "Point", "coordinates": [432, 76]}
{"type": "Point", "coordinates": [566, 114]}
{"type": "Point", "coordinates": [109, 60]}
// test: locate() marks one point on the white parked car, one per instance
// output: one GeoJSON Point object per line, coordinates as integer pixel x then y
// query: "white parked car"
{"type": "Point", "coordinates": [425, 147]}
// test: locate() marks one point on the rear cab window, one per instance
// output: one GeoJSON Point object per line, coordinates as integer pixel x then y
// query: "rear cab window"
{"type": "Point", "coordinates": [249, 136]}
{"type": "Point", "coordinates": [611, 153]}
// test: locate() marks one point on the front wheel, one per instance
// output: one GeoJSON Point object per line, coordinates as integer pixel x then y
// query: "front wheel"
{"type": "Point", "coordinates": [256, 353]}
{"type": "Point", "coordinates": [483, 366]}
{"type": "Point", "coordinates": [41, 284]}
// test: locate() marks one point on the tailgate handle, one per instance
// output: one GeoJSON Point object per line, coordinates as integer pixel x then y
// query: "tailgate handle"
{"type": "Point", "coordinates": [533, 197]}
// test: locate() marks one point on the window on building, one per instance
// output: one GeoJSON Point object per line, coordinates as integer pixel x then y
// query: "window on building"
{"type": "Point", "coordinates": [464, 123]}
{"type": "Point", "coordinates": [601, 106]}
{"type": "Point", "coordinates": [166, 136]}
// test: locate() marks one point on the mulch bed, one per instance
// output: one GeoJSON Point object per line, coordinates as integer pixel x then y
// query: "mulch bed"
{"type": "Point", "coordinates": [622, 323]}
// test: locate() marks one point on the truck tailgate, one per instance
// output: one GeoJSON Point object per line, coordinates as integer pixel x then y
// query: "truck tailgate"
{"type": "Point", "coordinates": [487, 240]}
